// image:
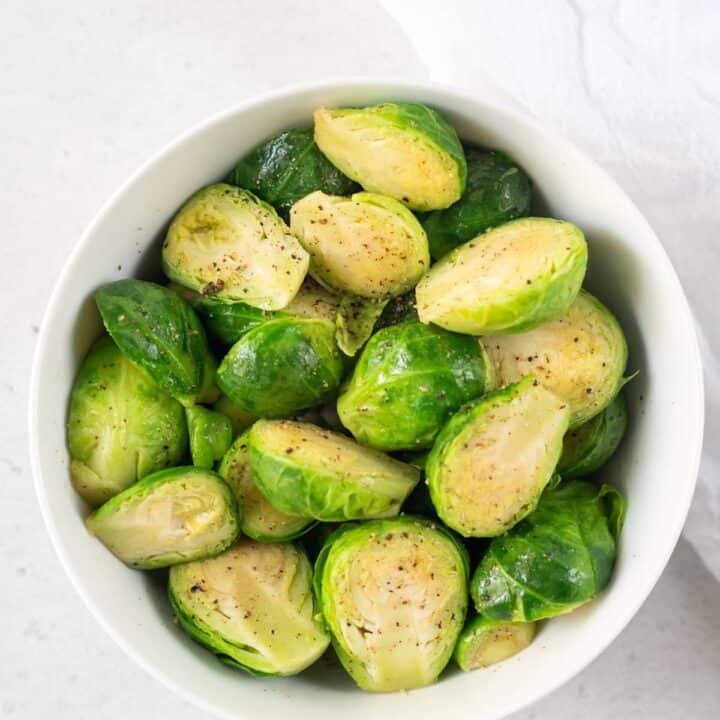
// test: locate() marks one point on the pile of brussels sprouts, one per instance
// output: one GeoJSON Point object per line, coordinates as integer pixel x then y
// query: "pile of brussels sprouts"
{"type": "Point", "coordinates": [410, 376]}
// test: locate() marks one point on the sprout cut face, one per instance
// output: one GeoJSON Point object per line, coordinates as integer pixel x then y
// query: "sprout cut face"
{"type": "Point", "coordinates": [484, 642]}
{"type": "Point", "coordinates": [556, 559]}
{"type": "Point", "coordinates": [408, 381]}
{"type": "Point", "coordinates": [492, 461]}
{"type": "Point", "coordinates": [511, 278]}
{"type": "Point", "coordinates": [403, 150]}
{"type": "Point", "coordinates": [367, 245]}
{"type": "Point", "coordinates": [282, 366]}
{"type": "Point", "coordinates": [171, 517]}
{"type": "Point", "coordinates": [260, 519]}
{"type": "Point", "coordinates": [227, 243]}
{"type": "Point", "coordinates": [393, 593]}
{"type": "Point", "coordinates": [581, 357]}
{"type": "Point", "coordinates": [252, 606]}
{"type": "Point", "coordinates": [307, 471]}
{"type": "Point", "coordinates": [121, 425]}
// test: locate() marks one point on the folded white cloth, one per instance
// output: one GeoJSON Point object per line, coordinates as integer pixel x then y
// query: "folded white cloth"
{"type": "Point", "coordinates": [614, 80]}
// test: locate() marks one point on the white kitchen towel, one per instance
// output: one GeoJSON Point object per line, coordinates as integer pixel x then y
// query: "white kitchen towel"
{"type": "Point", "coordinates": [642, 109]}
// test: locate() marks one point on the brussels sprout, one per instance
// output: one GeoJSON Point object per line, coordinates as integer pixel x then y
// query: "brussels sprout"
{"type": "Point", "coordinates": [556, 559]}
{"type": "Point", "coordinates": [407, 383]}
{"type": "Point", "coordinates": [252, 606]}
{"type": "Point", "coordinates": [159, 332]}
{"type": "Point", "coordinates": [240, 419]}
{"type": "Point", "coordinates": [284, 365]}
{"type": "Point", "coordinates": [591, 445]}
{"type": "Point", "coordinates": [121, 425]}
{"type": "Point", "coordinates": [260, 520]}
{"type": "Point", "coordinates": [497, 191]}
{"type": "Point", "coordinates": [404, 150]}
{"type": "Point", "coordinates": [366, 244]}
{"type": "Point", "coordinates": [355, 322]}
{"type": "Point", "coordinates": [581, 357]}
{"type": "Point", "coordinates": [313, 302]}
{"type": "Point", "coordinates": [170, 517]}
{"type": "Point", "coordinates": [305, 470]}
{"type": "Point", "coordinates": [287, 167]}
{"type": "Point", "coordinates": [210, 433]}
{"type": "Point", "coordinates": [484, 642]}
{"type": "Point", "coordinates": [509, 279]}
{"type": "Point", "coordinates": [398, 310]}
{"type": "Point", "coordinates": [394, 595]}
{"type": "Point", "coordinates": [227, 243]}
{"type": "Point", "coordinates": [224, 321]}
{"type": "Point", "coordinates": [492, 461]}
{"type": "Point", "coordinates": [209, 391]}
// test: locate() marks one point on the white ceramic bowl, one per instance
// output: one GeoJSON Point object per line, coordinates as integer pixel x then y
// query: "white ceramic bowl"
{"type": "Point", "coordinates": [656, 466]}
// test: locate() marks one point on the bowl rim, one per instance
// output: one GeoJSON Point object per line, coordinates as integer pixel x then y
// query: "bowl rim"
{"type": "Point", "coordinates": [499, 104]}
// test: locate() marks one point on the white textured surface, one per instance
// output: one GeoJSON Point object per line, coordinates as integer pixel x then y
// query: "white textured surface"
{"type": "Point", "coordinates": [90, 90]}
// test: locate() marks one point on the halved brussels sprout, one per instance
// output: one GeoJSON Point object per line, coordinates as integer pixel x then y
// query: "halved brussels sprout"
{"type": "Point", "coordinates": [509, 279]}
{"type": "Point", "coordinates": [404, 150]}
{"type": "Point", "coordinates": [210, 433]}
{"type": "Point", "coordinates": [497, 191]}
{"type": "Point", "coordinates": [121, 425]}
{"type": "Point", "coordinates": [556, 559]}
{"type": "Point", "coordinates": [170, 517]}
{"type": "Point", "coordinates": [260, 520]}
{"type": "Point", "coordinates": [313, 302]}
{"type": "Point", "coordinates": [409, 380]}
{"type": "Point", "coordinates": [591, 445]}
{"type": "Point", "coordinates": [287, 167]}
{"type": "Point", "coordinates": [227, 243]}
{"type": "Point", "coordinates": [252, 606]}
{"type": "Point", "coordinates": [366, 244]}
{"type": "Point", "coordinates": [492, 461]}
{"type": "Point", "coordinates": [305, 470]}
{"type": "Point", "coordinates": [581, 357]}
{"type": "Point", "coordinates": [284, 365]}
{"type": "Point", "coordinates": [240, 419]}
{"type": "Point", "coordinates": [484, 642]}
{"type": "Point", "coordinates": [394, 595]}
{"type": "Point", "coordinates": [355, 322]}
{"type": "Point", "coordinates": [159, 332]}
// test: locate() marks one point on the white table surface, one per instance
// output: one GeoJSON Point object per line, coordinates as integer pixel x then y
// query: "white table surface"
{"type": "Point", "coordinates": [88, 89]}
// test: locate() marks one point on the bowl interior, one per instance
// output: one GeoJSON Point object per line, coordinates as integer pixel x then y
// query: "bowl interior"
{"type": "Point", "coordinates": [655, 467]}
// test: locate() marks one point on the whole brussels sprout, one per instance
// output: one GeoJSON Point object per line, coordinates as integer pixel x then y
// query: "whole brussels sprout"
{"type": "Point", "coordinates": [170, 517]}
{"type": "Point", "coordinates": [556, 559]}
{"type": "Point", "coordinates": [240, 419]}
{"type": "Point", "coordinates": [409, 380]}
{"type": "Point", "coordinates": [226, 242]}
{"type": "Point", "coordinates": [210, 433]}
{"type": "Point", "coordinates": [581, 357]}
{"type": "Point", "coordinates": [287, 167]}
{"type": "Point", "coordinates": [591, 445]}
{"type": "Point", "coordinates": [366, 244]}
{"type": "Point", "coordinates": [404, 150]}
{"type": "Point", "coordinates": [493, 459]}
{"type": "Point", "coordinates": [394, 595]}
{"type": "Point", "coordinates": [497, 191]}
{"type": "Point", "coordinates": [484, 642]}
{"type": "Point", "coordinates": [260, 520]}
{"type": "Point", "coordinates": [252, 606]}
{"type": "Point", "coordinates": [121, 425]}
{"type": "Point", "coordinates": [284, 365]}
{"type": "Point", "coordinates": [159, 332]}
{"type": "Point", "coordinates": [511, 278]}
{"type": "Point", "coordinates": [305, 470]}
